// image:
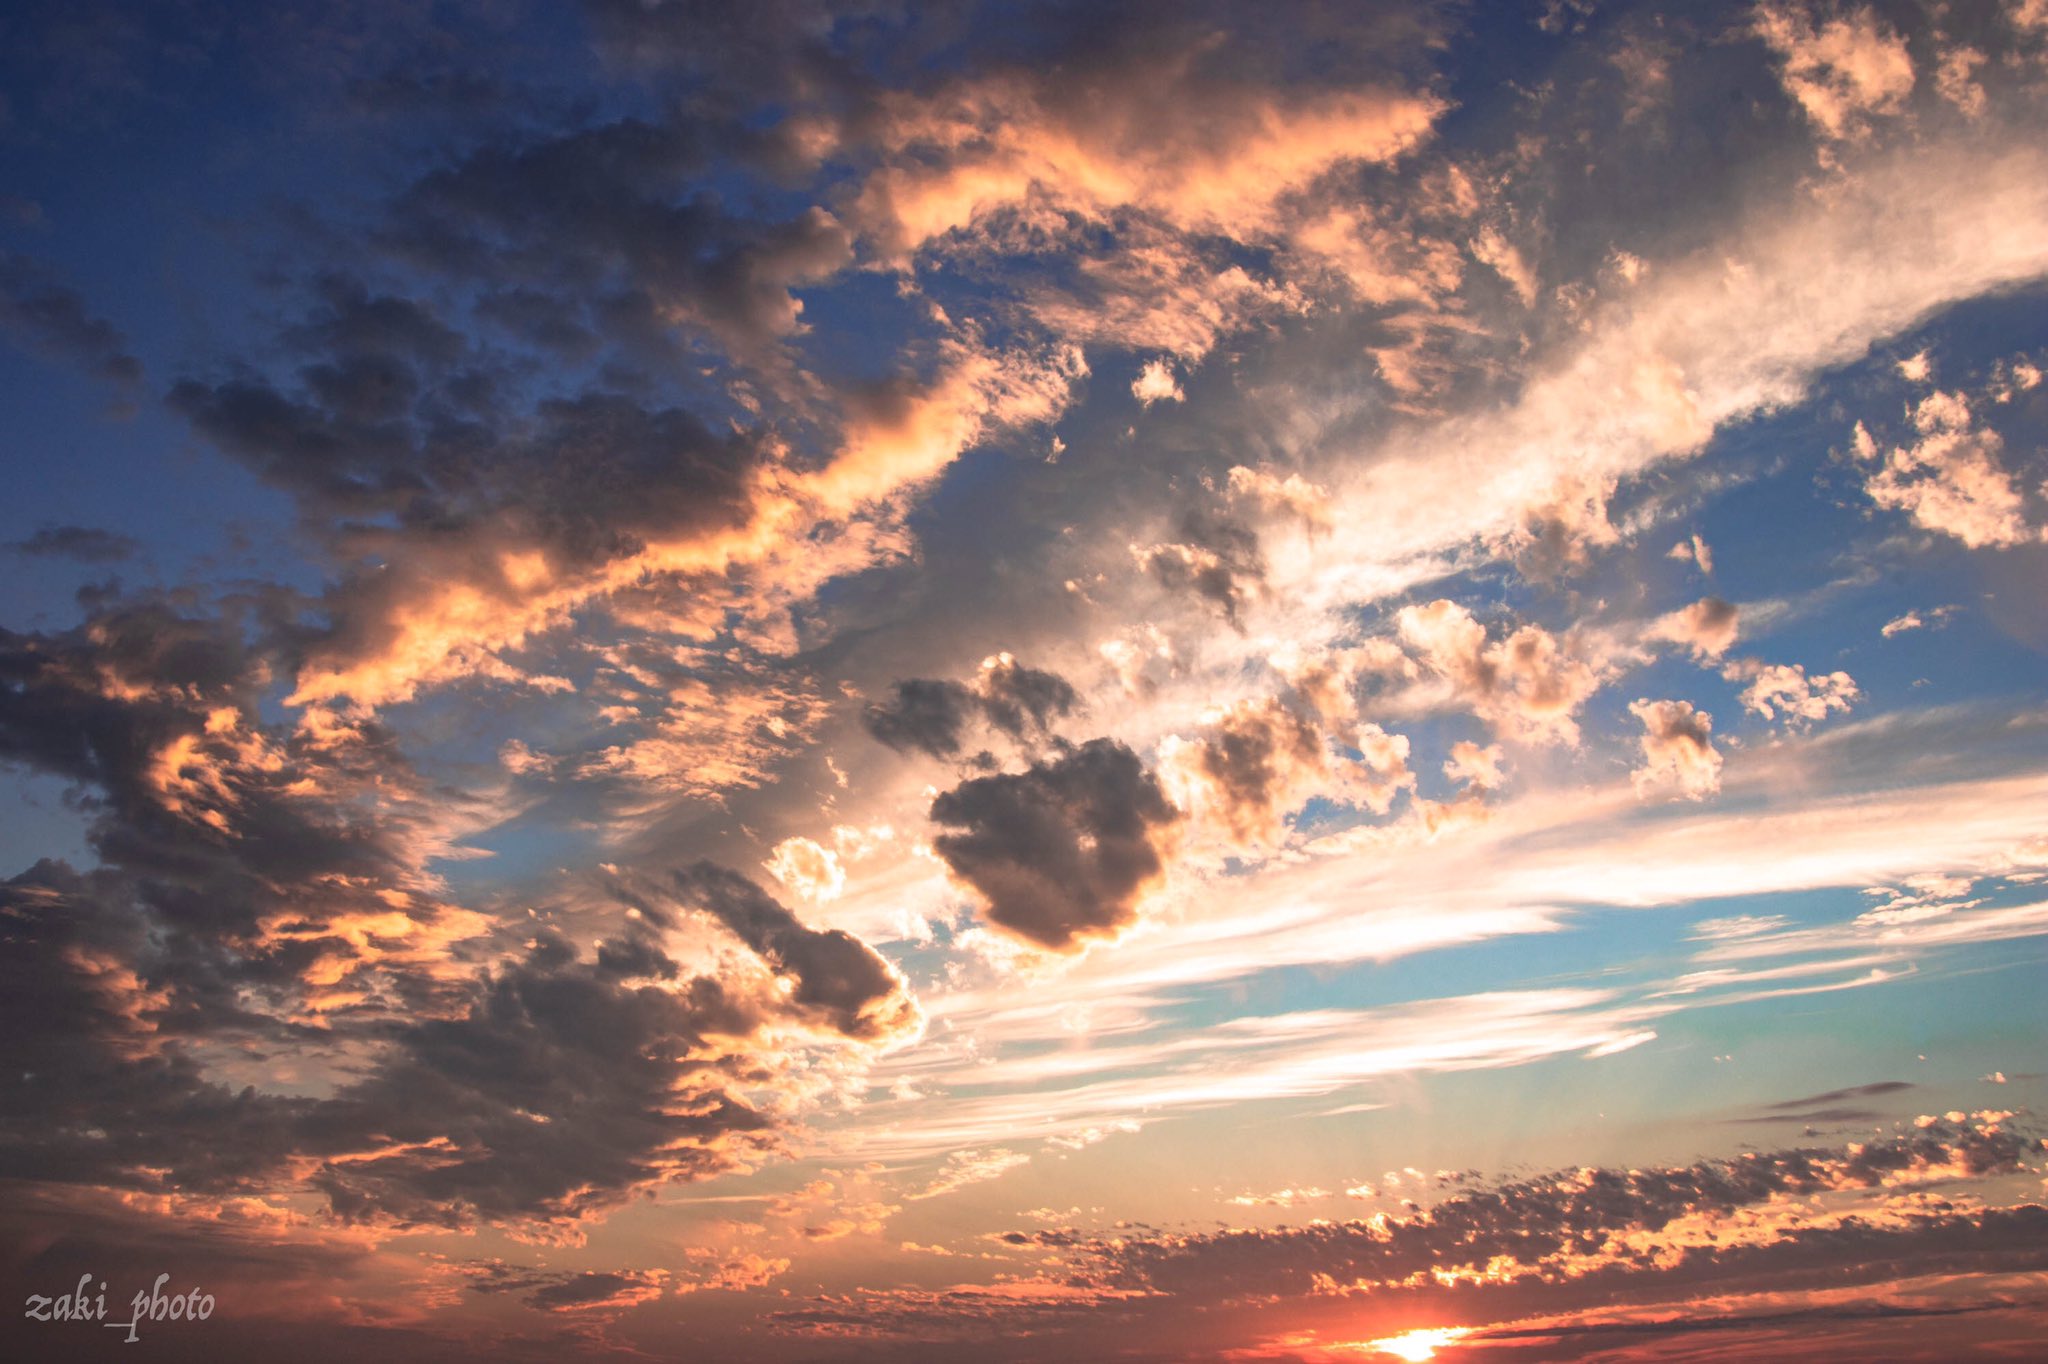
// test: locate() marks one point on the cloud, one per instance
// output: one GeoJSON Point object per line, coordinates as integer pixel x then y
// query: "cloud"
{"type": "Point", "coordinates": [1155, 383]}
{"type": "Point", "coordinates": [1678, 749]}
{"type": "Point", "coordinates": [1261, 760]}
{"type": "Point", "coordinates": [1092, 137]}
{"type": "Point", "coordinates": [1477, 767]}
{"type": "Point", "coordinates": [85, 544]}
{"type": "Point", "coordinates": [932, 715]}
{"type": "Point", "coordinates": [1834, 1106]}
{"type": "Point", "coordinates": [1785, 1221]}
{"type": "Point", "coordinates": [1063, 851]}
{"type": "Point", "coordinates": [835, 975]}
{"type": "Point", "coordinates": [1707, 627]}
{"type": "Point", "coordinates": [922, 714]}
{"type": "Point", "coordinates": [1844, 70]}
{"type": "Point", "coordinates": [1950, 479]}
{"type": "Point", "coordinates": [1528, 685]}
{"type": "Point", "coordinates": [1694, 550]}
{"type": "Point", "coordinates": [1293, 495]}
{"type": "Point", "coordinates": [567, 1291]}
{"type": "Point", "coordinates": [1215, 558]}
{"type": "Point", "coordinates": [1574, 1224]}
{"type": "Point", "coordinates": [810, 870]}
{"type": "Point", "coordinates": [1777, 689]}
{"type": "Point", "coordinates": [51, 320]}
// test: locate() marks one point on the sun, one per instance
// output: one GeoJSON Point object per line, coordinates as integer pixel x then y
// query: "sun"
{"type": "Point", "coordinates": [1418, 1344]}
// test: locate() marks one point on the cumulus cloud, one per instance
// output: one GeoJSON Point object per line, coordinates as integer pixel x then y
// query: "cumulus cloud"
{"type": "Point", "coordinates": [1843, 69]}
{"type": "Point", "coordinates": [1784, 690]}
{"type": "Point", "coordinates": [1693, 549]}
{"type": "Point", "coordinates": [1527, 684]}
{"type": "Point", "coordinates": [1261, 760]}
{"type": "Point", "coordinates": [1678, 749]}
{"type": "Point", "coordinates": [808, 869]}
{"type": "Point", "coordinates": [1707, 627]}
{"type": "Point", "coordinates": [1477, 767]}
{"type": "Point", "coordinates": [1063, 851]}
{"type": "Point", "coordinates": [1950, 479]}
{"type": "Point", "coordinates": [1156, 383]}
{"type": "Point", "coordinates": [1293, 495]}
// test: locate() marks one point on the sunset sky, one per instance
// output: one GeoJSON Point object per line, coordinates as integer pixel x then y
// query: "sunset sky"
{"type": "Point", "coordinates": [1045, 682]}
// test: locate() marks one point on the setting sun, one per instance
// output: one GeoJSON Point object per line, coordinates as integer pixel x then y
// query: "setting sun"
{"type": "Point", "coordinates": [1018, 681]}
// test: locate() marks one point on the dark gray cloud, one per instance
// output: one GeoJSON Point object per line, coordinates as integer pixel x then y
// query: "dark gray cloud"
{"type": "Point", "coordinates": [556, 1290]}
{"type": "Point", "coordinates": [547, 1089]}
{"type": "Point", "coordinates": [155, 711]}
{"type": "Point", "coordinates": [1019, 700]}
{"type": "Point", "coordinates": [1835, 1096]}
{"type": "Point", "coordinates": [838, 978]}
{"type": "Point", "coordinates": [1548, 1247]}
{"type": "Point", "coordinates": [1212, 557]}
{"type": "Point", "coordinates": [95, 1092]}
{"type": "Point", "coordinates": [926, 714]}
{"type": "Point", "coordinates": [1577, 1215]}
{"type": "Point", "coordinates": [614, 209]}
{"type": "Point", "coordinates": [1831, 1107]}
{"type": "Point", "coordinates": [559, 1092]}
{"type": "Point", "coordinates": [52, 320]}
{"type": "Point", "coordinates": [931, 715]}
{"type": "Point", "coordinates": [1063, 850]}
{"type": "Point", "coordinates": [86, 544]}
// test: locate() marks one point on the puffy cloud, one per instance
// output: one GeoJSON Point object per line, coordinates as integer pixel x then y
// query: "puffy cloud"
{"type": "Point", "coordinates": [1477, 767]}
{"type": "Point", "coordinates": [1950, 479]}
{"type": "Point", "coordinates": [1707, 627]}
{"type": "Point", "coordinates": [1678, 749]}
{"type": "Point", "coordinates": [1261, 760]}
{"type": "Point", "coordinates": [1784, 689]}
{"type": "Point", "coordinates": [1769, 1221]}
{"type": "Point", "coordinates": [1528, 685]}
{"type": "Point", "coordinates": [1156, 383]}
{"type": "Point", "coordinates": [1063, 851]}
{"type": "Point", "coordinates": [1293, 495]}
{"type": "Point", "coordinates": [810, 870]}
{"type": "Point", "coordinates": [1019, 700]}
{"type": "Point", "coordinates": [922, 713]}
{"type": "Point", "coordinates": [1843, 70]}
{"type": "Point", "coordinates": [1694, 550]}
{"type": "Point", "coordinates": [1576, 1223]}
{"type": "Point", "coordinates": [508, 524]}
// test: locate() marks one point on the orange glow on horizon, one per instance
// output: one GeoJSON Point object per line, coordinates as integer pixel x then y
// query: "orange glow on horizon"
{"type": "Point", "coordinates": [1418, 1344]}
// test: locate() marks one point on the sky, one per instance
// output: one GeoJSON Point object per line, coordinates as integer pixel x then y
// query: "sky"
{"type": "Point", "coordinates": [1012, 682]}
